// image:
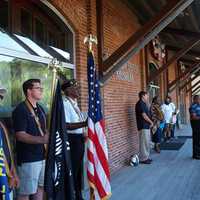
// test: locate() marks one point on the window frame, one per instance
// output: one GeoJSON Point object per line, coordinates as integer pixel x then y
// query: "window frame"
{"type": "Point", "coordinates": [43, 60]}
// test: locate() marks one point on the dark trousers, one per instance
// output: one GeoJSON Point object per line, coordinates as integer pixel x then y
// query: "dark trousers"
{"type": "Point", "coordinates": [157, 136]}
{"type": "Point", "coordinates": [77, 153]}
{"type": "Point", "coordinates": [173, 130]}
{"type": "Point", "coordinates": [195, 124]}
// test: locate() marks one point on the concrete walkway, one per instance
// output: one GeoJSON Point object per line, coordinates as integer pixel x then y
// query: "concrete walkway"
{"type": "Point", "coordinates": [173, 175]}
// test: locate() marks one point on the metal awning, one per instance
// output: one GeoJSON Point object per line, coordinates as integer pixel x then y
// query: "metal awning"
{"type": "Point", "coordinates": [14, 45]}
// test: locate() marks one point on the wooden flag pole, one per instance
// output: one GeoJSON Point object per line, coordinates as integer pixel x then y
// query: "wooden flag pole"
{"type": "Point", "coordinates": [54, 65]}
{"type": "Point", "coordinates": [90, 40]}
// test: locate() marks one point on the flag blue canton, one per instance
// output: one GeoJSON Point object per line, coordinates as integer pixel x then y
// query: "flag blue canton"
{"type": "Point", "coordinates": [94, 91]}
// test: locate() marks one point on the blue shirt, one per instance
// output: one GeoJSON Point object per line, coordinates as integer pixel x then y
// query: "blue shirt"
{"type": "Point", "coordinates": [23, 120]}
{"type": "Point", "coordinates": [140, 108]}
{"type": "Point", "coordinates": [195, 109]}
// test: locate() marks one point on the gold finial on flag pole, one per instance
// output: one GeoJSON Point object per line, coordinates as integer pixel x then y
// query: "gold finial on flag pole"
{"type": "Point", "coordinates": [54, 65]}
{"type": "Point", "coordinates": [90, 39]}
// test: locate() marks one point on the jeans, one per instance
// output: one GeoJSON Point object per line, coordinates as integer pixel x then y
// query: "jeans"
{"type": "Point", "coordinates": [173, 130]}
{"type": "Point", "coordinates": [157, 136]}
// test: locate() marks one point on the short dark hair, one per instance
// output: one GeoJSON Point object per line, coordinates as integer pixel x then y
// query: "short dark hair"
{"type": "Point", "coordinates": [155, 99]}
{"type": "Point", "coordinates": [28, 84]}
{"type": "Point", "coordinates": [168, 97]}
{"type": "Point", "coordinates": [195, 97]}
{"type": "Point", "coordinates": [141, 94]}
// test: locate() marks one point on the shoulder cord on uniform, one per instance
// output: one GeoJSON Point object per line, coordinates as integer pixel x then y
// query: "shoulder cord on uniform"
{"type": "Point", "coordinates": [75, 109]}
{"type": "Point", "coordinates": [30, 107]}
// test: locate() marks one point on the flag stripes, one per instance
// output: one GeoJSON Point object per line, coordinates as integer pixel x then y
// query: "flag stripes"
{"type": "Point", "coordinates": [97, 153]}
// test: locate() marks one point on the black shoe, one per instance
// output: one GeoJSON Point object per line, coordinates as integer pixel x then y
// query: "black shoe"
{"type": "Point", "coordinates": [157, 148]}
{"type": "Point", "coordinates": [196, 157]}
{"type": "Point", "coordinates": [165, 139]}
{"type": "Point", "coordinates": [148, 161]}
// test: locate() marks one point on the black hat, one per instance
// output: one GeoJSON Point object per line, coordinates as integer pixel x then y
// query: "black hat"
{"type": "Point", "coordinates": [68, 83]}
{"type": "Point", "coordinates": [2, 91]}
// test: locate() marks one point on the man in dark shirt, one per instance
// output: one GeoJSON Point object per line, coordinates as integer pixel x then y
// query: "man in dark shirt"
{"type": "Point", "coordinates": [29, 122]}
{"type": "Point", "coordinates": [143, 124]}
{"type": "Point", "coordinates": [195, 124]}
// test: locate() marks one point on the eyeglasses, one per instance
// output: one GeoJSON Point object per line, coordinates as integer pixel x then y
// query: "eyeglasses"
{"type": "Point", "coordinates": [37, 88]}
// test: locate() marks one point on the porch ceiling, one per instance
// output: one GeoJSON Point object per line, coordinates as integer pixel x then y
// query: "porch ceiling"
{"type": "Point", "coordinates": [185, 26]}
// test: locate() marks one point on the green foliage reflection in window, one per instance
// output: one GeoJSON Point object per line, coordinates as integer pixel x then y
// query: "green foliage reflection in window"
{"type": "Point", "coordinates": [13, 72]}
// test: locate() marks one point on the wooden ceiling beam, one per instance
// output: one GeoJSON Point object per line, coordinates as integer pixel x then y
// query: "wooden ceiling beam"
{"type": "Point", "coordinates": [142, 37]}
{"type": "Point", "coordinates": [190, 80]}
{"type": "Point", "coordinates": [100, 38]}
{"type": "Point", "coordinates": [187, 61]}
{"type": "Point", "coordinates": [196, 89]}
{"type": "Point", "coordinates": [193, 86]}
{"type": "Point", "coordinates": [181, 32]}
{"type": "Point", "coordinates": [191, 52]}
{"type": "Point", "coordinates": [174, 58]}
{"type": "Point", "coordinates": [141, 17]}
{"type": "Point", "coordinates": [192, 19]}
{"type": "Point", "coordinates": [196, 92]}
{"type": "Point", "coordinates": [190, 70]}
{"type": "Point", "coordinates": [147, 8]}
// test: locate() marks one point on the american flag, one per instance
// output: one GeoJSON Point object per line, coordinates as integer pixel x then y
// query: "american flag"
{"type": "Point", "coordinates": [97, 152]}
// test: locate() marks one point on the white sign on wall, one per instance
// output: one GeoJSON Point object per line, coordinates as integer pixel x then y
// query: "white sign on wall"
{"type": "Point", "coordinates": [126, 72]}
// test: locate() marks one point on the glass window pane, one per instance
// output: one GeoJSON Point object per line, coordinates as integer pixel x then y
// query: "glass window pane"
{"type": "Point", "coordinates": [65, 54]}
{"type": "Point", "coordinates": [8, 43]}
{"type": "Point", "coordinates": [37, 49]}
{"type": "Point", "coordinates": [13, 72]}
{"type": "Point", "coordinates": [52, 39]}
{"type": "Point", "coordinates": [26, 23]}
{"type": "Point", "coordinates": [39, 32]}
{"type": "Point", "coordinates": [4, 14]}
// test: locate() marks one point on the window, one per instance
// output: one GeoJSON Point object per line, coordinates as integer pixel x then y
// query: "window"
{"type": "Point", "coordinates": [4, 14]}
{"type": "Point", "coordinates": [154, 85]}
{"type": "Point", "coordinates": [17, 71]}
{"type": "Point", "coordinates": [30, 37]}
{"type": "Point", "coordinates": [34, 20]}
{"type": "Point", "coordinates": [26, 20]}
{"type": "Point", "coordinates": [39, 32]}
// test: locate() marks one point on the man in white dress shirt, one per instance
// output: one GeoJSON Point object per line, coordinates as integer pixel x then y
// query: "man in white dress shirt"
{"type": "Point", "coordinates": [168, 111]}
{"type": "Point", "coordinates": [75, 124]}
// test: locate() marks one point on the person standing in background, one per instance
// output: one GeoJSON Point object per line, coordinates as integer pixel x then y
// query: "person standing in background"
{"type": "Point", "coordinates": [173, 120]}
{"type": "Point", "coordinates": [195, 124]}
{"type": "Point", "coordinates": [168, 112]}
{"type": "Point", "coordinates": [157, 118]}
{"type": "Point", "coordinates": [144, 123]}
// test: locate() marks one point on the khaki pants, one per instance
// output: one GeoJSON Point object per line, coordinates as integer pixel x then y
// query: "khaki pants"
{"type": "Point", "coordinates": [144, 144]}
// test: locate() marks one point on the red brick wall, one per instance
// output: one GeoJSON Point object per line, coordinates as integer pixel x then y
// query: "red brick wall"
{"type": "Point", "coordinates": [119, 95]}
{"type": "Point", "coordinates": [120, 92]}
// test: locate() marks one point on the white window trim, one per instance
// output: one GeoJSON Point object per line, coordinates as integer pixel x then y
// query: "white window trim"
{"type": "Point", "coordinates": [24, 56]}
{"type": "Point", "coordinates": [21, 55]}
